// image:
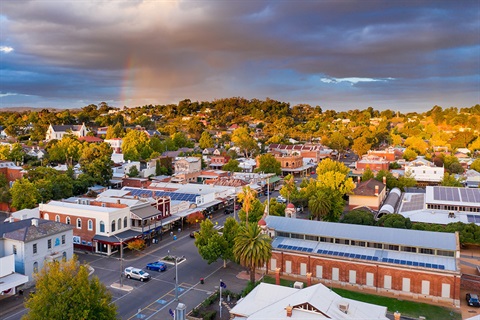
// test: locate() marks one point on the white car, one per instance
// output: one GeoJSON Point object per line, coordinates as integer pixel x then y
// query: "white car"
{"type": "Point", "coordinates": [281, 199]}
{"type": "Point", "coordinates": [136, 273]}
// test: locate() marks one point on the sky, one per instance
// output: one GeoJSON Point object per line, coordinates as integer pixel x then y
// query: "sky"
{"type": "Point", "coordinates": [404, 55]}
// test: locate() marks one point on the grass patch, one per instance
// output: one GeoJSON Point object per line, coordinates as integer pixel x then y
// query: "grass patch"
{"type": "Point", "coordinates": [406, 308]}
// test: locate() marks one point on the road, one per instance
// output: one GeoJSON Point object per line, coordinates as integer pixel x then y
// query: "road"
{"type": "Point", "coordinates": [153, 299]}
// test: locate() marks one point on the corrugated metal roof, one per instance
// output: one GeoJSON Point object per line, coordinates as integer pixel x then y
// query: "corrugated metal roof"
{"type": "Point", "coordinates": [417, 238]}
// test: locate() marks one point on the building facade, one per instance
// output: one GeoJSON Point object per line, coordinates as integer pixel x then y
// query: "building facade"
{"type": "Point", "coordinates": [34, 241]}
{"type": "Point", "coordinates": [410, 263]}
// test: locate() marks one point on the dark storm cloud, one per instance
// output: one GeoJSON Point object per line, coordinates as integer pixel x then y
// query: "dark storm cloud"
{"type": "Point", "coordinates": [422, 53]}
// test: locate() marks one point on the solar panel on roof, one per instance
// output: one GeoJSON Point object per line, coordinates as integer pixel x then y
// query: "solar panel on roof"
{"type": "Point", "coordinates": [294, 248]}
{"type": "Point", "coordinates": [369, 258]}
{"type": "Point", "coordinates": [341, 254]}
{"type": "Point", "coordinates": [409, 263]}
{"type": "Point", "coordinates": [329, 252]}
{"type": "Point", "coordinates": [441, 267]}
{"type": "Point", "coordinates": [428, 265]}
{"type": "Point", "coordinates": [363, 257]}
{"type": "Point", "coordinates": [375, 258]}
{"type": "Point", "coordinates": [289, 247]}
{"type": "Point", "coordinates": [309, 250]}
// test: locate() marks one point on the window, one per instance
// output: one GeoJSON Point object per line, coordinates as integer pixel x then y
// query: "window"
{"type": "Point", "coordinates": [35, 267]}
{"type": "Point", "coordinates": [392, 247]}
{"type": "Point", "coordinates": [125, 222]}
{"type": "Point", "coordinates": [57, 218]}
{"type": "Point", "coordinates": [445, 253]}
{"type": "Point", "coordinates": [45, 216]}
{"type": "Point", "coordinates": [67, 220]}
{"type": "Point", "coordinates": [64, 256]}
{"type": "Point", "coordinates": [342, 241]}
{"type": "Point", "coordinates": [375, 245]}
{"type": "Point", "coordinates": [49, 243]}
{"type": "Point", "coordinates": [409, 249]}
{"type": "Point", "coordinates": [113, 226]}
{"type": "Point", "coordinates": [14, 249]}
{"type": "Point", "coordinates": [34, 248]}
{"type": "Point", "coordinates": [63, 239]}
{"type": "Point", "coordinates": [119, 224]}
{"type": "Point", "coordinates": [90, 225]}
{"type": "Point", "coordinates": [102, 226]}
{"type": "Point", "coordinates": [308, 237]}
{"type": "Point", "coordinates": [79, 223]}
{"type": "Point", "coordinates": [426, 251]}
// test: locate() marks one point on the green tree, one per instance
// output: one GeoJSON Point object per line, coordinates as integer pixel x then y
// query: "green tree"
{"type": "Point", "coordinates": [394, 221]}
{"type": "Point", "coordinates": [82, 297]}
{"type": "Point", "coordinates": [180, 140]}
{"type": "Point", "coordinates": [115, 131]}
{"type": "Point", "coordinates": [475, 165]}
{"type": "Point", "coordinates": [230, 230]}
{"type": "Point", "coordinates": [24, 194]}
{"type": "Point", "coordinates": [406, 181]}
{"type": "Point", "coordinates": [136, 146]}
{"type": "Point", "coordinates": [409, 154]}
{"type": "Point", "coordinates": [252, 248]}
{"type": "Point", "coordinates": [268, 164]}
{"type": "Point", "coordinates": [133, 172]}
{"type": "Point", "coordinates": [96, 162]}
{"type": "Point", "coordinates": [320, 204]}
{"type": "Point", "coordinates": [255, 212]}
{"type": "Point", "coordinates": [334, 175]}
{"type": "Point", "coordinates": [337, 141]}
{"type": "Point", "coordinates": [361, 146]}
{"type": "Point", "coordinates": [206, 140]}
{"type": "Point", "coordinates": [210, 244]}
{"type": "Point", "coordinates": [232, 166]}
{"type": "Point", "coordinates": [359, 217]}
{"type": "Point", "coordinates": [243, 140]}
{"type": "Point", "coordinates": [247, 196]}
{"type": "Point", "coordinates": [276, 208]}
{"type": "Point", "coordinates": [367, 174]}
{"type": "Point", "coordinates": [449, 180]}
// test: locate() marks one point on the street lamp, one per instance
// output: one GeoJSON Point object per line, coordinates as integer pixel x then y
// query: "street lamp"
{"type": "Point", "coordinates": [176, 273]}
{"type": "Point", "coordinates": [121, 260]}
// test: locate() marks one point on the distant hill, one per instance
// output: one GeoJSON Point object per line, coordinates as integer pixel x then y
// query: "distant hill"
{"type": "Point", "coordinates": [22, 109]}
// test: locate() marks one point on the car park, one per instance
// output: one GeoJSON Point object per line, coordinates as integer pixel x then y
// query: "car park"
{"type": "Point", "coordinates": [137, 274]}
{"type": "Point", "coordinates": [157, 266]}
{"type": "Point", "coordinates": [472, 300]}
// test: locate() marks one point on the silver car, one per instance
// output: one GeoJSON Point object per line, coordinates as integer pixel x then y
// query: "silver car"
{"type": "Point", "coordinates": [135, 273]}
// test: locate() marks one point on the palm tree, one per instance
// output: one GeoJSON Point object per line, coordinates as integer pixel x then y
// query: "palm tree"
{"type": "Point", "coordinates": [320, 204]}
{"type": "Point", "coordinates": [247, 196]}
{"type": "Point", "coordinates": [252, 248]}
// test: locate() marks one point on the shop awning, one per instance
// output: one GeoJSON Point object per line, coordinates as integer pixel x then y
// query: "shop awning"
{"type": "Point", "coordinates": [12, 280]}
{"type": "Point", "coordinates": [124, 236]}
{"type": "Point", "coordinates": [274, 179]}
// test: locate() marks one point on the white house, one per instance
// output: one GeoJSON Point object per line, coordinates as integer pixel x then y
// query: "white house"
{"type": "Point", "coordinates": [425, 171]}
{"type": "Point", "coordinates": [34, 241]}
{"type": "Point", "coordinates": [58, 131]}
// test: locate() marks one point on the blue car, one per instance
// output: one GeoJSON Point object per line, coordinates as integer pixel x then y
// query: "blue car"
{"type": "Point", "coordinates": [157, 266]}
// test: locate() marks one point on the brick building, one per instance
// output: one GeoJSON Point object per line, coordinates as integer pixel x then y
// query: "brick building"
{"type": "Point", "coordinates": [370, 193]}
{"type": "Point", "coordinates": [410, 263]}
{"type": "Point", "coordinates": [98, 226]}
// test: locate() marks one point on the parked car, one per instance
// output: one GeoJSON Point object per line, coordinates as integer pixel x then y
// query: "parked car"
{"type": "Point", "coordinates": [266, 193]}
{"type": "Point", "coordinates": [135, 273]}
{"type": "Point", "coordinates": [228, 211]}
{"type": "Point", "coordinates": [281, 199]}
{"type": "Point", "coordinates": [157, 266]}
{"type": "Point", "coordinates": [192, 234]}
{"type": "Point", "coordinates": [472, 300]}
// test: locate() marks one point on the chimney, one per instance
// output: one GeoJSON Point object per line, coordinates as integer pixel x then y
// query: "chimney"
{"type": "Point", "coordinates": [309, 279]}
{"type": "Point", "coordinates": [289, 310]}
{"type": "Point", "coordinates": [376, 190]}
{"type": "Point", "coordinates": [118, 201]}
{"type": "Point", "coordinates": [385, 180]}
{"type": "Point", "coordinates": [35, 222]}
{"type": "Point", "coordinates": [277, 276]}
{"type": "Point", "coordinates": [358, 179]}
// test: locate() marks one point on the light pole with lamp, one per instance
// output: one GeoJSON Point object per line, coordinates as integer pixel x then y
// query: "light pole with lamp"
{"type": "Point", "coordinates": [176, 273]}
{"type": "Point", "coordinates": [121, 260]}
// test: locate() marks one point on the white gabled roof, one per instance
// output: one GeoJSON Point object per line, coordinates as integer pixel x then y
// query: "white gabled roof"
{"type": "Point", "coordinates": [268, 302]}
